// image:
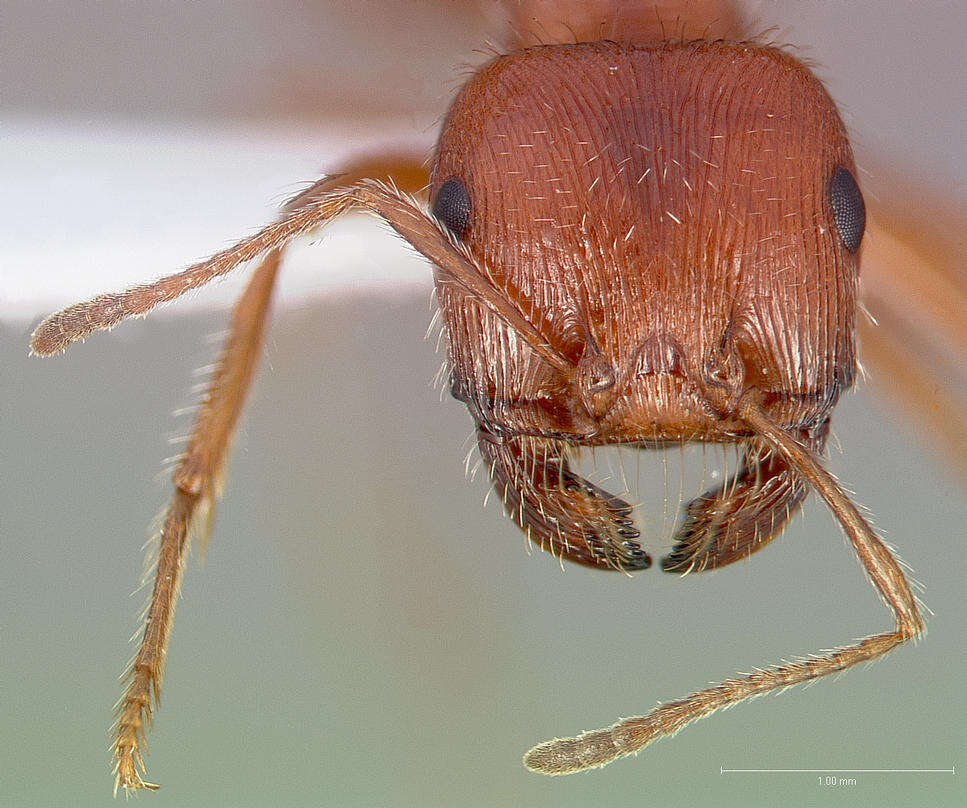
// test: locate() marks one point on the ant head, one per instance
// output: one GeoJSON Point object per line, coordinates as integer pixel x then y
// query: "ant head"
{"type": "Point", "coordinates": [683, 205]}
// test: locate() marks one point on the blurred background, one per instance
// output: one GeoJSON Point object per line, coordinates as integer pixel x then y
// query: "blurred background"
{"type": "Point", "coordinates": [363, 631]}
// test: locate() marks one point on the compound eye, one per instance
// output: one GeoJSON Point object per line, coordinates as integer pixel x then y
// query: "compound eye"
{"type": "Point", "coordinates": [849, 212]}
{"type": "Point", "coordinates": [452, 206]}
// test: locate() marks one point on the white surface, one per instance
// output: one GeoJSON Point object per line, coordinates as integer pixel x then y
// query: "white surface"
{"type": "Point", "coordinates": [105, 184]}
{"type": "Point", "coordinates": [99, 207]}
{"type": "Point", "coordinates": [363, 632]}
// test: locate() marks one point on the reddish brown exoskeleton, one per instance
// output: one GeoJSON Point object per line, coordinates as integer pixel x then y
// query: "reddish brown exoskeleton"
{"type": "Point", "coordinates": [633, 243]}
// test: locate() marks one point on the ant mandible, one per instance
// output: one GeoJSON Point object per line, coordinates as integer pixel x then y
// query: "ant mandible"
{"type": "Point", "coordinates": [636, 240]}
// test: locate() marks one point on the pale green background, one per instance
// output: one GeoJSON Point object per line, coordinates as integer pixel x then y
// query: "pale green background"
{"type": "Point", "coordinates": [364, 633]}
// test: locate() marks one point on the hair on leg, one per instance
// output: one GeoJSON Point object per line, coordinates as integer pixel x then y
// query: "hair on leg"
{"type": "Point", "coordinates": [197, 485]}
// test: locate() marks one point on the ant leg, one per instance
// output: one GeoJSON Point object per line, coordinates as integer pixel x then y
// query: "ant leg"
{"type": "Point", "coordinates": [745, 513]}
{"type": "Point", "coordinates": [198, 478]}
{"type": "Point", "coordinates": [599, 747]}
{"type": "Point", "coordinates": [561, 512]}
{"type": "Point", "coordinates": [922, 284]}
{"type": "Point", "coordinates": [928, 400]}
{"type": "Point", "coordinates": [197, 485]}
{"type": "Point", "coordinates": [403, 170]}
{"type": "Point", "coordinates": [915, 287]}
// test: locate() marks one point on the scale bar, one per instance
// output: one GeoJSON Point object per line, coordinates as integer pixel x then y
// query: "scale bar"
{"type": "Point", "coordinates": [723, 770]}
